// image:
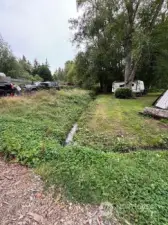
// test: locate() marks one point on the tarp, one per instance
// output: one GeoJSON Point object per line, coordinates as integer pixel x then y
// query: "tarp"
{"type": "Point", "coordinates": [162, 101]}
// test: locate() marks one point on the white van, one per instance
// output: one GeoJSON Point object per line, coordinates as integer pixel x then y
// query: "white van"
{"type": "Point", "coordinates": [137, 86]}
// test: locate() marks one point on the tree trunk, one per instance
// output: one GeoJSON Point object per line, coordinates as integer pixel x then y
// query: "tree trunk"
{"type": "Point", "coordinates": [105, 87]}
{"type": "Point", "coordinates": [128, 62]}
{"type": "Point", "coordinates": [130, 74]}
{"type": "Point", "coordinates": [130, 68]}
{"type": "Point", "coordinates": [101, 85]}
{"type": "Point", "coordinates": [128, 43]}
{"type": "Point", "coordinates": [133, 72]}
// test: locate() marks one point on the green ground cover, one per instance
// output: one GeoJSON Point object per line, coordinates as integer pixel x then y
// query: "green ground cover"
{"type": "Point", "coordinates": [136, 184]}
{"type": "Point", "coordinates": [33, 127]}
{"type": "Point", "coordinates": [112, 124]}
{"type": "Point", "coordinates": [33, 130]}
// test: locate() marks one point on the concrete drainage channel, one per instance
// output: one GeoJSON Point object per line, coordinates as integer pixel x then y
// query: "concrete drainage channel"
{"type": "Point", "coordinates": [70, 137]}
{"type": "Point", "coordinates": [71, 134]}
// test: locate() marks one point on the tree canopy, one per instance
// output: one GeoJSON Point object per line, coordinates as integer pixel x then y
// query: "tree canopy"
{"type": "Point", "coordinates": [123, 40]}
{"type": "Point", "coordinates": [45, 73]}
{"type": "Point", "coordinates": [22, 68]}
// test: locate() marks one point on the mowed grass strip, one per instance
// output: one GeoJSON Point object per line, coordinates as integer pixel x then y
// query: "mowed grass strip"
{"type": "Point", "coordinates": [115, 125]}
{"type": "Point", "coordinates": [33, 127]}
{"type": "Point", "coordinates": [136, 184]}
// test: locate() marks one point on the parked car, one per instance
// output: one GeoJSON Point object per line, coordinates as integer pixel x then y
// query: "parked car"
{"type": "Point", "coordinates": [6, 89]}
{"type": "Point", "coordinates": [30, 87]}
{"type": "Point", "coordinates": [55, 85]}
{"type": "Point", "coordinates": [48, 85]}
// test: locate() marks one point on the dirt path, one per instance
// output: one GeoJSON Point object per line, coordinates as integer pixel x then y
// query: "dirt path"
{"type": "Point", "coordinates": [22, 202]}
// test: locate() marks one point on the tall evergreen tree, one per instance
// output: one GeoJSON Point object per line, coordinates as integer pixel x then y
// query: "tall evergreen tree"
{"type": "Point", "coordinates": [45, 73]}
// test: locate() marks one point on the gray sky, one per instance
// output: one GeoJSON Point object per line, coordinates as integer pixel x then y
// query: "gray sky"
{"type": "Point", "coordinates": [39, 29]}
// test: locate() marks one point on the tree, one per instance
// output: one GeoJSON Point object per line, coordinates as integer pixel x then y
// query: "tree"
{"type": "Point", "coordinates": [154, 68]}
{"type": "Point", "coordinates": [59, 75]}
{"type": "Point", "coordinates": [103, 44]}
{"type": "Point", "coordinates": [45, 73]}
{"type": "Point", "coordinates": [24, 59]}
{"type": "Point", "coordinates": [36, 78]}
{"type": "Point", "coordinates": [22, 68]}
{"type": "Point", "coordinates": [7, 60]}
{"type": "Point", "coordinates": [36, 64]}
{"type": "Point", "coordinates": [47, 64]}
{"type": "Point", "coordinates": [136, 14]}
{"type": "Point", "coordinates": [67, 74]}
{"type": "Point", "coordinates": [85, 70]}
{"type": "Point", "coordinates": [8, 63]}
{"type": "Point", "coordinates": [35, 67]}
{"type": "Point", "coordinates": [122, 28]}
{"type": "Point", "coordinates": [68, 71]}
{"type": "Point", "coordinates": [26, 65]}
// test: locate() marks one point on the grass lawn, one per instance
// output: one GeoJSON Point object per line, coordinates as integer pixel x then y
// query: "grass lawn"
{"type": "Point", "coordinates": [114, 125]}
{"type": "Point", "coordinates": [33, 127]}
{"type": "Point", "coordinates": [136, 184]}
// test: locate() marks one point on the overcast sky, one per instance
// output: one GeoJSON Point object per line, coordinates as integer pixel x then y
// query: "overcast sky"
{"type": "Point", "coordinates": [39, 29]}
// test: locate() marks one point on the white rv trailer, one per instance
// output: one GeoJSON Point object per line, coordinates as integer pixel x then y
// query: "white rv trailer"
{"type": "Point", "coordinates": [137, 86]}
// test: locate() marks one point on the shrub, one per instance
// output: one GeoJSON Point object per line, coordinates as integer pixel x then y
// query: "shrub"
{"type": "Point", "coordinates": [96, 89]}
{"type": "Point", "coordinates": [156, 90]}
{"type": "Point", "coordinates": [123, 93]}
